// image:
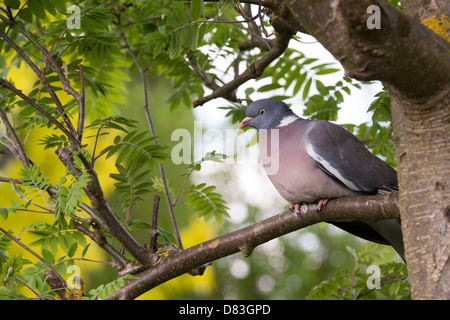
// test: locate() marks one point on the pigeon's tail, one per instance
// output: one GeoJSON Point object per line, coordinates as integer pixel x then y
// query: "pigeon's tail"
{"type": "Point", "coordinates": [390, 229]}
{"type": "Point", "coordinates": [387, 231]}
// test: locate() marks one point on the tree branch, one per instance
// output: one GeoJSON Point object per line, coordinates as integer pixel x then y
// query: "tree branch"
{"type": "Point", "coordinates": [48, 87]}
{"type": "Point", "coordinates": [122, 263]}
{"type": "Point", "coordinates": [252, 72]}
{"type": "Point", "coordinates": [58, 70]}
{"type": "Point", "coordinates": [10, 87]}
{"type": "Point", "coordinates": [100, 239]}
{"type": "Point", "coordinates": [53, 274]}
{"type": "Point", "coordinates": [81, 106]}
{"type": "Point", "coordinates": [246, 239]}
{"type": "Point", "coordinates": [18, 147]}
{"type": "Point", "coordinates": [100, 206]}
{"type": "Point", "coordinates": [391, 54]}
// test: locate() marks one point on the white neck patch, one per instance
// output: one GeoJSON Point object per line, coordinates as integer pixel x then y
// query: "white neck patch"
{"type": "Point", "coordinates": [287, 120]}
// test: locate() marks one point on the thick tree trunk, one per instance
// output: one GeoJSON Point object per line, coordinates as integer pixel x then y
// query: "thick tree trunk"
{"type": "Point", "coordinates": [414, 64]}
{"type": "Point", "coordinates": [422, 143]}
{"type": "Point", "coordinates": [425, 169]}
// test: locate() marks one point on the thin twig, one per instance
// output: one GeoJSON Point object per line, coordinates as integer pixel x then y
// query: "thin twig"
{"type": "Point", "coordinates": [252, 72]}
{"type": "Point", "coordinates": [55, 67]}
{"type": "Point", "coordinates": [41, 76]}
{"type": "Point", "coordinates": [26, 285]}
{"type": "Point", "coordinates": [81, 107]}
{"type": "Point", "coordinates": [154, 227]}
{"type": "Point", "coordinates": [102, 211]}
{"type": "Point", "coordinates": [10, 87]}
{"type": "Point", "coordinates": [98, 237]}
{"type": "Point", "coordinates": [178, 197]}
{"type": "Point", "coordinates": [17, 143]}
{"type": "Point", "coordinates": [142, 71]}
{"type": "Point", "coordinates": [52, 270]}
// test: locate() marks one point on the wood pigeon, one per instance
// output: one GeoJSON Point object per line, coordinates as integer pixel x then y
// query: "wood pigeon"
{"type": "Point", "coordinates": [319, 160]}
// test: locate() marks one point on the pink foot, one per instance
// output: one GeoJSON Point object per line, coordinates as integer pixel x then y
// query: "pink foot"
{"type": "Point", "coordinates": [295, 207]}
{"type": "Point", "coordinates": [322, 203]}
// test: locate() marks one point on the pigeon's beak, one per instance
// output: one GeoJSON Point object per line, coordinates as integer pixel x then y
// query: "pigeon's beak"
{"type": "Point", "coordinates": [244, 122]}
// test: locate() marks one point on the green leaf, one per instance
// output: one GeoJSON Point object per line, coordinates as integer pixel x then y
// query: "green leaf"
{"type": "Point", "coordinates": [7, 294]}
{"type": "Point", "coordinates": [48, 256]}
{"type": "Point", "coordinates": [53, 141]}
{"type": "Point", "coordinates": [85, 250]}
{"type": "Point", "coordinates": [36, 8]}
{"type": "Point", "coordinates": [137, 224]}
{"type": "Point", "coordinates": [180, 12]}
{"type": "Point", "coordinates": [131, 185]}
{"type": "Point", "coordinates": [158, 48]}
{"type": "Point", "coordinates": [193, 36]}
{"type": "Point", "coordinates": [4, 213]}
{"type": "Point", "coordinates": [309, 61]}
{"type": "Point", "coordinates": [173, 47]}
{"type": "Point", "coordinates": [26, 15]}
{"type": "Point", "coordinates": [13, 4]}
{"type": "Point", "coordinates": [306, 89]}
{"type": "Point", "coordinates": [299, 82]}
{"type": "Point", "coordinates": [153, 36]}
{"type": "Point", "coordinates": [196, 9]}
{"type": "Point", "coordinates": [60, 5]}
{"type": "Point", "coordinates": [381, 107]}
{"type": "Point", "coordinates": [327, 71]}
{"type": "Point", "coordinates": [49, 7]}
{"type": "Point", "coordinates": [72, 250]}
{"type": "Point", "coordinates": [108, 289]}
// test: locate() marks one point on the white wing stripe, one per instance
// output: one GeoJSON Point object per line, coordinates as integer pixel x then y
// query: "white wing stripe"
{"type": "Point", "coordinates": [329, 167]}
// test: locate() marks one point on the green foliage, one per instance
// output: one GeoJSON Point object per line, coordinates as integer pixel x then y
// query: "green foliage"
{"type": "Point", "coordinates": [5, 243]}
{"type": "Point", "coordinates": [131, 183]}
{"type": "Point", "coordinates": [108, 289]}
{"type": "Point", "coordinates": [137, 147]}
{"type": "Point", "coordinates": [8, 294]}
{"type": "Point", "coordinates": [14, 207]}
{"type": "Point", "coordinates": [49, 240]}
{"type": "Point", "coordinates": [112, 122]}
{"type": "Point", "coordinates": [33, 182]}
{"type": "Point", "coordinates": [236, 112]}
{"type": "Point", "coordinates": [378, 135]}
{"type": "Point", "coordinates": [370, 278]}
{"type": "Point", "coordinates": [68, 198]}
{"type": "Point", "coordinates": [325, 105]}
{"type": "Point", "coordinates": [201, 198]}
{"type": "Point", "coordinates": [54, 140]}
{"type": "Point", "coordinates": [205, 202]}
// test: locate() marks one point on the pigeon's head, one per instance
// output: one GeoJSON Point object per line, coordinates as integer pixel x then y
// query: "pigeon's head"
{"type": "Point", "coordinates": [267, 114]}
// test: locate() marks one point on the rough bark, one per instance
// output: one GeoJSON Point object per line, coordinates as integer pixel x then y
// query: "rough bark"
{"type": "Point", "coordinates": [414, 64]}
{"type": "Point", "coordinates": [422, 143]}
{"type": "Point", "coordinates": [423, 9]}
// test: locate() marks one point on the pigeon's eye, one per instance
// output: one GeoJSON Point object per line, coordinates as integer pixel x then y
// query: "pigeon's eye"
{"type": "Point", "coordinates": [262, 111]}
